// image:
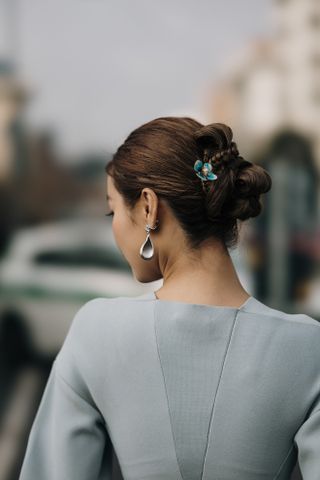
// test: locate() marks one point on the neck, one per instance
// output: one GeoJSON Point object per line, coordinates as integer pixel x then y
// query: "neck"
{"type": "Point", "coordinates": [206, 275]}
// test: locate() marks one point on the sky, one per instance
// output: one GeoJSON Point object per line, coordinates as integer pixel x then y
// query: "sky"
{"type": "Point", "coordinates": [97, 69]}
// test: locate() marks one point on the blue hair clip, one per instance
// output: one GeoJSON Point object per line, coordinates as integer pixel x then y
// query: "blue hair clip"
{"type": "Point", "coordinates": [204, 170]}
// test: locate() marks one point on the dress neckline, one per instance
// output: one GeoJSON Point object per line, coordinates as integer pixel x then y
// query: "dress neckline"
{"type": "Point", "coordinates": [201, 305]}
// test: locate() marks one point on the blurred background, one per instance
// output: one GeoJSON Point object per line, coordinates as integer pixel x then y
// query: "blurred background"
{"type": "Point", "coordinates": [76, 76]}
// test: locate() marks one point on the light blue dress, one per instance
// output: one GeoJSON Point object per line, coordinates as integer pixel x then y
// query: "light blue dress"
{"type": "Point", "coordinates": [182, 391]}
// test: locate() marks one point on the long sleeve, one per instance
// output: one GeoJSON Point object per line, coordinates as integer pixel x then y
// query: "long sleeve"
{"type": "Point", "coordinates": [68, 439]}
{"type": "Point", "coordinates": [307, 439]}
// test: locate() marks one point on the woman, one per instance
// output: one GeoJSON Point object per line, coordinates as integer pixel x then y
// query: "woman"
{"type": "Point", "coordinates": [198, 380]}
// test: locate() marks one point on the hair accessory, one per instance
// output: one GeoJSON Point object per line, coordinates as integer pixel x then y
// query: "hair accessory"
{"type": "Point", "coordinates": [204, 170]}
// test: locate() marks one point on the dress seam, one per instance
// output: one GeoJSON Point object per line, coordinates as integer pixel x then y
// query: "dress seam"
{"type": "Point", "coordinates": [284, 461]}
{"type": "Point", "coordinates": [59, 375]}
{"type": "Point", "coordinates": [244, 310]}
{"type": "Point", "coordinates": [216, 394]}
{"type": "Point", "coordinates": [165, 387]}
{"type": "Point", "coordinates": [279, 317]}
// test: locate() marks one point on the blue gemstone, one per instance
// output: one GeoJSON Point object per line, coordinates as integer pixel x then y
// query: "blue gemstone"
{"type": "Point", "coordinates": [198, 165]}
{"type": "Point", "coordinates": [212, 176]}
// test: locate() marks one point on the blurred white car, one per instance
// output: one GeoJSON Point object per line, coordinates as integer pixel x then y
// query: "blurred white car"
{"type": "Point", "coordinates": [49, 271]}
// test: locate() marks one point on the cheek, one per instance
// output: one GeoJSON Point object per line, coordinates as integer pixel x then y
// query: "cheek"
{"type": "Point", "coordinates": [122, 231]}
{"type": "Point", "coordinates": [118, 230]}
{"type": "Point", "coordinates": [127, 237]}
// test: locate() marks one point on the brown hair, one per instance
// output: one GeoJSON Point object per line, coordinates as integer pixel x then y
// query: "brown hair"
{"type": "Point", "coordinates": [161, 154]}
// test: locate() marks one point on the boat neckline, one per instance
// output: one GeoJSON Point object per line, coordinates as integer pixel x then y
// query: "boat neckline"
{"type": "Point", "coordinates": [202, 305]}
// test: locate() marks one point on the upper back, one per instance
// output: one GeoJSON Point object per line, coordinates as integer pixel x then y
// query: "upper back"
{"type": "Point", "coordinates": [194, 391]}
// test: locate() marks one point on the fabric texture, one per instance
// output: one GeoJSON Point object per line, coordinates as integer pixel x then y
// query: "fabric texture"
{"type": "Point", "coordinates": [182, 392]}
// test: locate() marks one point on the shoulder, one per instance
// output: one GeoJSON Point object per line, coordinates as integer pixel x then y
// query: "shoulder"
{"type": "Point", "coordinates": [260, 309]}
{"type": "Point", "coordinates": [100, 327]}
{"type": "Point", "coordinates": [100, 317]}
{"type": "Point", "coordinates": [298, 333]}
{"type": "Point", "coordinates": [291, 340]}
{"type": "Point", "coordinates": [106, 309]}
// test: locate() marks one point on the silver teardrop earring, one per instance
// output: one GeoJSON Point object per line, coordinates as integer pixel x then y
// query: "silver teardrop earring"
{"type": "Point", "coordinates": [146, 249]}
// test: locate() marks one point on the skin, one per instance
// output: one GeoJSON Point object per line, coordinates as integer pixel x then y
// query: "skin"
{"type": "Point", "coordinates": [205, 276]}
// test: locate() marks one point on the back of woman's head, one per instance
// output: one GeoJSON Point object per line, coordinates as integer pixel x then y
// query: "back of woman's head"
{"type": "Point", "coordinates": [161, 155]}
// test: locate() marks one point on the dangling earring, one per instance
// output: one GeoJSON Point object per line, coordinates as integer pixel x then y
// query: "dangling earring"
{"type": "Point", "coordinates": [146, 249]}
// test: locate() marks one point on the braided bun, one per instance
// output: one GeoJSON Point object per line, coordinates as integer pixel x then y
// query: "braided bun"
{"type": "Point", "coordinates": [236, 192]}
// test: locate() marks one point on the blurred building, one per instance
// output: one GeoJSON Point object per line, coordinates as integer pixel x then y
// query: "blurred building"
{"type": "Point", "coordinates": [12, 99]}
{"type": "Point", "coordinates": [269, 92]}
{"type": "Point", "coordinates": [274, 83]}
{"type": "Point", "coordinates": [36, 184]}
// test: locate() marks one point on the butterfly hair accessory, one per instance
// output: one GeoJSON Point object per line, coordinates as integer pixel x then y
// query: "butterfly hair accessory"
{"type": "Point", "coordinates": [204, 168]}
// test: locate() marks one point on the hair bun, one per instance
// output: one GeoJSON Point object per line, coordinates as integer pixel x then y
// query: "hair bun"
{"type": "Point", "coordinates": [242, 182]}
{"type": "Point", "coordinates": [213, 137]}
